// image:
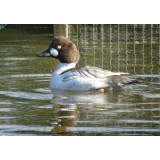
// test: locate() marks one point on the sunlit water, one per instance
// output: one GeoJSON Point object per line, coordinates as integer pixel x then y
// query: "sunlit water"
{"type": "Point", "coordinates": [29, 107]}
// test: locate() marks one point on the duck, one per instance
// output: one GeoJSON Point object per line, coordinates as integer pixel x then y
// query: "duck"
{"type": "Point", "coordinates": [69, 76]}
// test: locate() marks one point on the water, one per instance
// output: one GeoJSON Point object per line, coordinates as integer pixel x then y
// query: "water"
{"type": "Point", "coordinates": [29, 107]}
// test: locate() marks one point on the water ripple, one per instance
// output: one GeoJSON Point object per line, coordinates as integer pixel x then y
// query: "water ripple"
{"type": "Point", "coordinates": [26, 95]}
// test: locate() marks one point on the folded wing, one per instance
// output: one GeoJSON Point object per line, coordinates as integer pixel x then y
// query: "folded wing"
{"type": "Point", "coordinates": [89, 72]}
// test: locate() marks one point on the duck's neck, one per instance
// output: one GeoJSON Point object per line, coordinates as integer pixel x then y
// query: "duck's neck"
{"type": "Point", "coordinates": [64, 67]}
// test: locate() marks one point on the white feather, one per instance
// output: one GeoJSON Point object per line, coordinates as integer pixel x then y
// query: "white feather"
{"type": "Point", "coordinates": [74, 81]}
{"type": "Point", "coordinates": [80, 79]}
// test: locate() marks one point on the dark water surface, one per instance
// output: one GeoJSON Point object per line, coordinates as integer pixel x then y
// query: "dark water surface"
{"type": "Point", "coordinates": [29, 107]}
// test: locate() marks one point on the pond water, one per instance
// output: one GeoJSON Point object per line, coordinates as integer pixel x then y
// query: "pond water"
{"type": "Point", "coordinates": [29, 107]}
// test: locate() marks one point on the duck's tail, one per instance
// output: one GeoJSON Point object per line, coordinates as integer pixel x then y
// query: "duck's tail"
{"type": "Point", "coordinates": [134, 81]}
{"type": "Point", "coordinates": [117, 81]}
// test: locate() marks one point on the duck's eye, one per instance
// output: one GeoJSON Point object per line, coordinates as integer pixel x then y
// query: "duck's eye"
{"type": "Point", "coordinates": [59, 47]}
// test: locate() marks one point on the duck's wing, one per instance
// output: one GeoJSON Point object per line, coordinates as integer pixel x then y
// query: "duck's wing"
{"type": "Point", "coordinates": [101, 73]}
{"type": "Point", "coordinates": [88, 72]}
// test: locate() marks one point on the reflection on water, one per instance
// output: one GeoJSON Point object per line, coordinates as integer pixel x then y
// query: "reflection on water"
{"type": "Point", "coordinates": [29, 107]}
{"type": "Point", "coordinates": [71, 97]}
{"type": "Point", "coordinates": [114, 113]}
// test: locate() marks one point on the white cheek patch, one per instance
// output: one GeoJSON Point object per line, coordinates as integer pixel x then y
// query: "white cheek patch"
{"type": "Point", "coordinates": [54, 52]}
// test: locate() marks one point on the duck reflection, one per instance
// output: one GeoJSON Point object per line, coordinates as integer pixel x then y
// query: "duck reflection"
{"type": "Point", "coordinates": [66, 110]}
{"type": "Point", "coordinates": [72, 97]}
{"type": "Point", "coordinates": [65, 117]}
{"type": "Point", "coordinates": [66, 105]}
